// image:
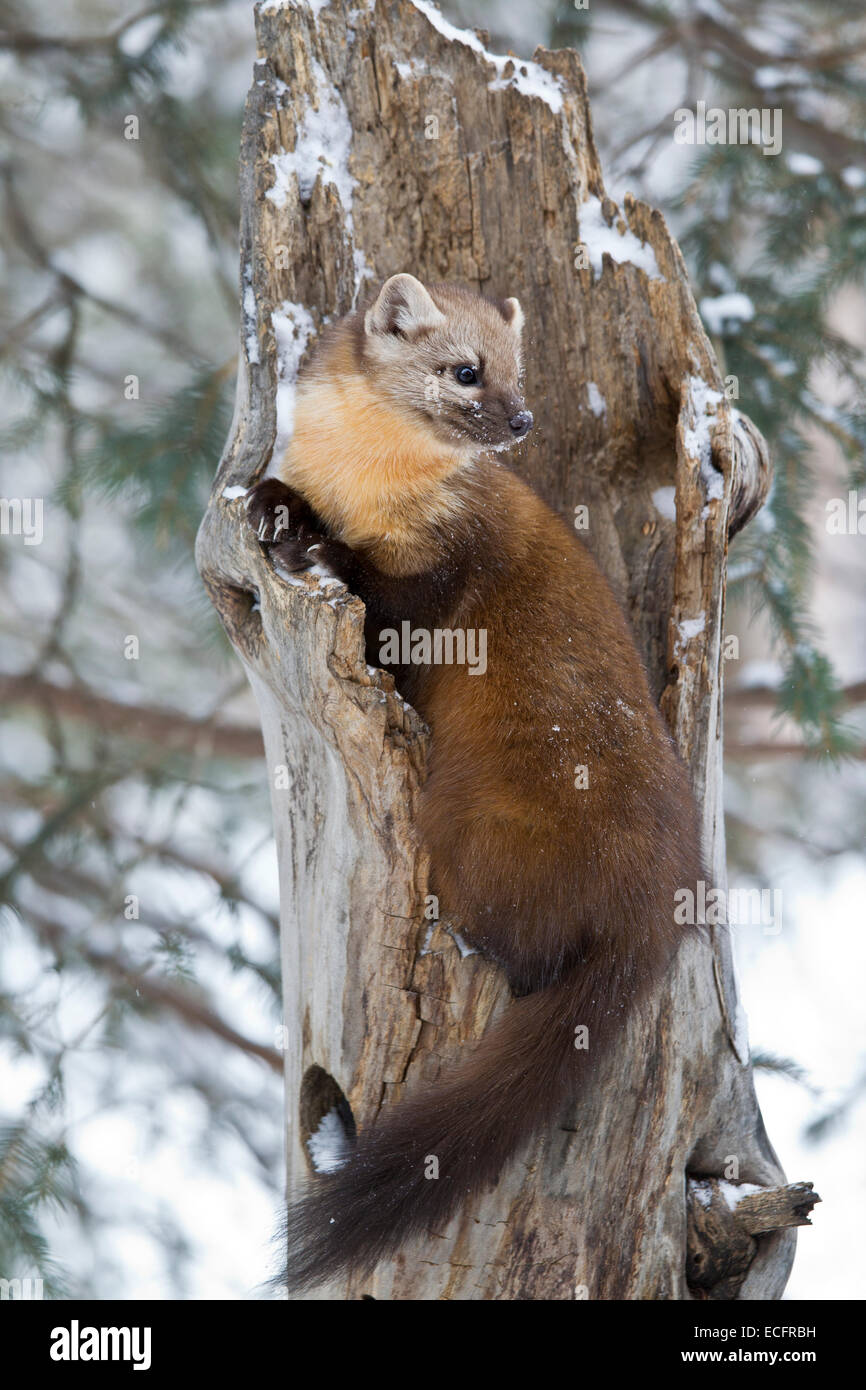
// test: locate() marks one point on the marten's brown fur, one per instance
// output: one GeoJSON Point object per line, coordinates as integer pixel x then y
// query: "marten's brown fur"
{"type": "Point", "coordinates": [570, 888]}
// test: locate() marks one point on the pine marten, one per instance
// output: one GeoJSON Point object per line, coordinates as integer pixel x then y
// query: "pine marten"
{"type": "Point", "coordinates": [557, 814]}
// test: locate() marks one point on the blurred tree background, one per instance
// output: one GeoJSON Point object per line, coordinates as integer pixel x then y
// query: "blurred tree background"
{"type": "Point", "coordinates": [141, 1133]}
{"type": "Point", "coordinates": [141, 1100]}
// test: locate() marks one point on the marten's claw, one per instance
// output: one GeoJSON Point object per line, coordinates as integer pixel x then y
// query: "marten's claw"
{"type": "Point", "coordinates": [276, 513]}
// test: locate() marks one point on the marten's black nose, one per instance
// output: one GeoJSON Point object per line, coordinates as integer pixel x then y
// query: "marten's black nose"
{"type": "Point", "coordinates": [521, 423]}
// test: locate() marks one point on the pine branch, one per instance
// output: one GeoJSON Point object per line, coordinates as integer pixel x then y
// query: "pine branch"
{"type": "Point", "coordinates": [67, 284]}
{"type": "Point", "coordinates": [129, 980]}
{"type": "Point", "coordinates": [144, 722]}
{"type": "Point", "coordinates": [26, 42]}
{"type": "Point", "coordinates": [767, 696]}
{"type": "Point", "coordinates": [767, 750]}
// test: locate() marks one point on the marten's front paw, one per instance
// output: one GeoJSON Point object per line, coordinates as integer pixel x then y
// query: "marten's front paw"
{"type": "Point", "coordinates": [288, 528]}
{"type": "Point", "coordinates": [277, 514]}
{"type": "Point", "coordinates": [300, 552]}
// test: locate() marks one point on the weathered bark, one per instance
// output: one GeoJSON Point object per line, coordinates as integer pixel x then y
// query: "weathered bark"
{"type": "Point", "coordinates": [376, 996]}
{"type": "Point", "coordinates": [723, 1223]}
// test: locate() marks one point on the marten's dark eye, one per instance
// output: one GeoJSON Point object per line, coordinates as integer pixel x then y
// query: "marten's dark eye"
{"type": "Point", "coordinates": [467, 376]}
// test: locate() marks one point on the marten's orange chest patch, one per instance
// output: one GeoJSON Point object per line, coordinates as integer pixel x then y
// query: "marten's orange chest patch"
{"type": "Point", "coordinates": [368, 470]}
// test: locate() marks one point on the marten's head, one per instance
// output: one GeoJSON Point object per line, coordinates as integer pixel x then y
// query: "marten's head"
{"type": "Point", "coordinates": [450, 356]}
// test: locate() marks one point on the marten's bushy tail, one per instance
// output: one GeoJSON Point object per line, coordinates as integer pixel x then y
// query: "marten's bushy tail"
{"type": "Point", "coordinates": [515, 1081]}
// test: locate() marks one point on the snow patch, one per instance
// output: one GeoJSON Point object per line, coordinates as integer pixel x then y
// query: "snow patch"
{"type": "Point", "coordinates": [665, 502]}
{"type": "Point", "coordinates": [232, 493]}
{"type": "Point", "coordinates": [329, 1146]}
{"type": "Point", "coordinates": [697, 437]}
{"type": "Point", "coordinates": [597, 402]}
{"type": "Point", "coordinates": [687, 629]}
{"type": "Point", "coordinates": [322, 148]}
{"type": "Point", "coordinates": [293, 328]}
{"type": "Point", "coordinates": [805, 164]}
{"type": "Point", "coordinates": [741, 1032]}
{"type": "Point", "coordinates": [599, 238]}
{"type": "Point", "coordinates": [734, 1192]}
{"type": "Point", "coordinates": [692, 627]}
{"type": "Point", "coordinates": [529, 78]}
{"type": "Point", "coordinates": [294, 579]}
{"type": "Point", "coordinates": [137, 39]}
{"type": "Point", "coordinates": [724, 313]}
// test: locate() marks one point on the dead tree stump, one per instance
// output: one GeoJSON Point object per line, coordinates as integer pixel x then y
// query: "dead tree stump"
{"type": "Point", "coordinates": [377, 141]}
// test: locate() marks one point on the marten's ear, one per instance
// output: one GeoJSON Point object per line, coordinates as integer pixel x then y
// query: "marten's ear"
{"type": "Point", "coordinates": [513, 315]}
{"type": "Point", "coordinates": [403, 307]}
